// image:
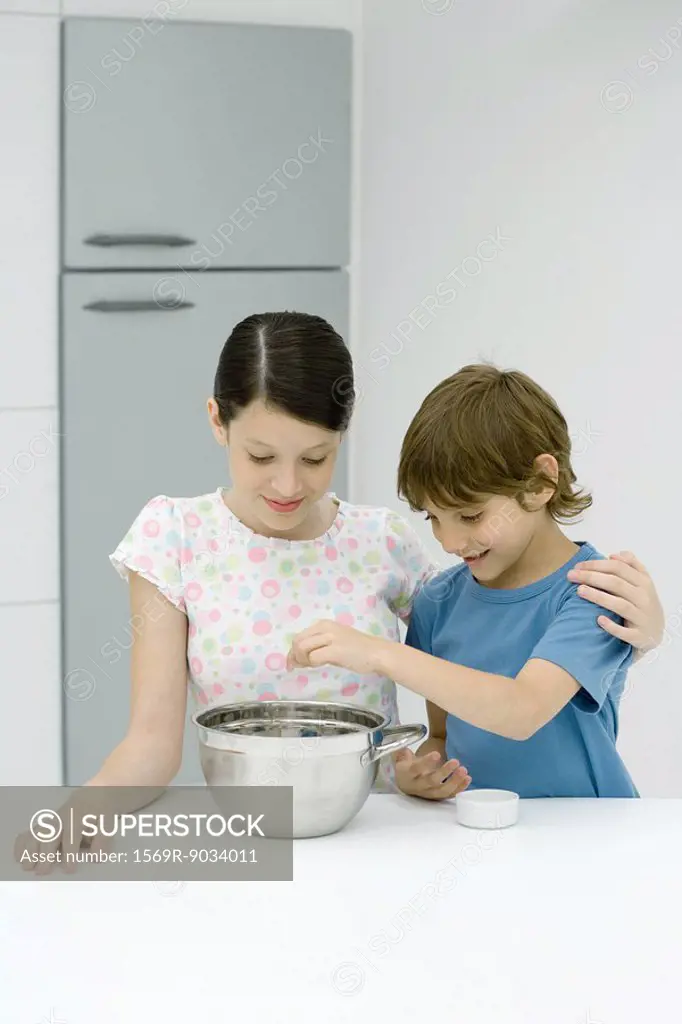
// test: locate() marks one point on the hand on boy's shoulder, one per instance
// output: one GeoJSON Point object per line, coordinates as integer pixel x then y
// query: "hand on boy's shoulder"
{"type": "Point", "coordinates": [625, 595]}
{"type": "Point", "coordinates": [586, 608]}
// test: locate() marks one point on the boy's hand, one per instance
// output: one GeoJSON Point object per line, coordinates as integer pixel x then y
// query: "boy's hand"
{"type": "Point", "coordinates": [329, 643]}
{"type": "Point", "coordinates": [427, 777]}
{"type": "Point", "coordinates": [622, 584]}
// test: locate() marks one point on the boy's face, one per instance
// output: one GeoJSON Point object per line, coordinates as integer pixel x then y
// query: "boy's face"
{"type": "Point", "coordinates": [490, 537]}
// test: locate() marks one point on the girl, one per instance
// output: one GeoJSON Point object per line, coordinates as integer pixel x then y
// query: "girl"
{"type": "Point", "coordinates": [242, 570]}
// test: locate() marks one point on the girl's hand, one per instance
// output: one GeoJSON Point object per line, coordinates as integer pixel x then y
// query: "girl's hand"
{"type": "Point", "coordinates": [60, 854]}
{"type": "Point", "coordinates": [428, 777]}
{"type": "Point", "coordinates": [329, 643]}
{"type": "Point", "coordinates": [622, 584]}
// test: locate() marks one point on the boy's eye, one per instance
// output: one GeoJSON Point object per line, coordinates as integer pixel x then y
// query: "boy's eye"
{"type": "Point", "coordinates": [472, 519]}
{"type": "Point", "coordinates": [316, 462]}
{"type": "Point", "coordinates": [429, 518]}
{"type": "Point", "coordinates": [260, 458]}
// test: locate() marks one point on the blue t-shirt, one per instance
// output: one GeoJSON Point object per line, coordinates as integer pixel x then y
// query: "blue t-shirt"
{"type": "Point", "coordinates": [498, 631]}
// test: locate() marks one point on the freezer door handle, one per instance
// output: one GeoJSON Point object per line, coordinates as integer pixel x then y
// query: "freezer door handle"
{"type": "Point", "coordinates": [107, 241]}
{"type": "Point", "coordinates": [136, 306]}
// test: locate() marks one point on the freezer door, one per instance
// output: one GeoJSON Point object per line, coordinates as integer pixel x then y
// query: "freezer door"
{"type": "Point", "coordinates": [205, 145]}
{"type": "Point", "coordinates": [139, 355]}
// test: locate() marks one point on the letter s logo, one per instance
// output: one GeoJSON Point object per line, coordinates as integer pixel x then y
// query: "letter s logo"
{"type": "Point", "coordinates": [46, 825]}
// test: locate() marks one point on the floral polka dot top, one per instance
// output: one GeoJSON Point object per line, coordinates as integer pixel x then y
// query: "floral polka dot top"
{"type": "Point", "coordinates": [246, 595]}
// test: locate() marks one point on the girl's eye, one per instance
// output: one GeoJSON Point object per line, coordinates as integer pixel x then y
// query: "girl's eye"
{"type": "Point", "coordinates": [472, 519]}
{"type": "Point", "coordinates": [429, 518]}
{"type": "Point", "coordinates": [261, 459]}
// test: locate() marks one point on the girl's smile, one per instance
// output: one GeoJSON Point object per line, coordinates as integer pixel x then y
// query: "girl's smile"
{"type": "Point", "coordinates": [283, 507]}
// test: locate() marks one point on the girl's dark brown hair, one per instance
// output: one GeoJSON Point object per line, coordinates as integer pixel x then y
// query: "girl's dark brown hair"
{"type": "Point", "coordinates": [295, 362]}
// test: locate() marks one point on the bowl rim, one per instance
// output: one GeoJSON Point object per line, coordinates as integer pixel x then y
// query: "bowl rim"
{"type": "Point", "coordinates": [357, 741]}
{"type": "Point", "coordinates": [201, 716]}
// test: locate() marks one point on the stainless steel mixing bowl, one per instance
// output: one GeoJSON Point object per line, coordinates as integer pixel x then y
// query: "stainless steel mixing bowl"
{"type": "Point", "coordinates": [327, 752]}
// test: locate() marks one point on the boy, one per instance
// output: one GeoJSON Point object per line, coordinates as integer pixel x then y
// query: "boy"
{"type": "Point", "coordinates": [522, 684]}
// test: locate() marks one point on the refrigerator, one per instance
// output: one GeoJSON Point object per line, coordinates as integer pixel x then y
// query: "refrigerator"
{"type": "Point", "coordinates": [205, 176]}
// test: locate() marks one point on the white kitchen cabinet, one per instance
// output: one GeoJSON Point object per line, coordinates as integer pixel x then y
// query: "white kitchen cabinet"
{"type": "Point", "coordinates": [118, 342]}
{"type": "Point", "coordinates": [30, 679]}
{"type": "Point", "coordinates": [205, 146]}
{"type": "Point", "coordinates": [28, 7]}
{"type": "Point", "coordinates": [29, 204]}
{"type": "Point", "coordinates": [29, 505]}
{"type": "Point", "coordinates": [329, 13]}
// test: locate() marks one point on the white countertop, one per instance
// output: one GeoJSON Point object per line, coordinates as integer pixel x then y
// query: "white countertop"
{"type": "Point", "coordinates": [572, 916]}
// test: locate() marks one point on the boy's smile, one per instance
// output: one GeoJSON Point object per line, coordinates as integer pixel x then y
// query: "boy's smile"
{"type": "Point", "coordinates": [475, 559]}
{"type": "Point", "coordinates": [504, 545]}
{"type": "Point", "coordinates": [492, 537]}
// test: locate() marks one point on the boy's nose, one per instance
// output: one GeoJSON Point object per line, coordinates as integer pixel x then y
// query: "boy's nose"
{"type": "Point", "coordinates": [455, 544]}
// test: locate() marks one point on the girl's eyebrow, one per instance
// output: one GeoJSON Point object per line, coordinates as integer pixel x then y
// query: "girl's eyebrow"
{"type": "Point", "coordinates": [264, 444]}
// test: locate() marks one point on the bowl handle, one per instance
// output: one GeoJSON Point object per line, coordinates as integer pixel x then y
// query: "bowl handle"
{"type": "Point", "coordinates": [393, 738]}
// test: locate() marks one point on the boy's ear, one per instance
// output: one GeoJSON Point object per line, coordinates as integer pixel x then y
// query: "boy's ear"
{"type": "Point", "coordinates": [546, 468]}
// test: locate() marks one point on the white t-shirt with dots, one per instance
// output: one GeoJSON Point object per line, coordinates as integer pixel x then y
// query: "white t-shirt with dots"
{"type": "Point", "coordinates": [246, 595]}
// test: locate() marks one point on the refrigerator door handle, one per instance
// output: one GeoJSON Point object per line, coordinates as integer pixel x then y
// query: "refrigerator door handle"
{"type": "Point", "coordinates": [136, 306]}
{"type": "Point", "coordinates": [107, 241]}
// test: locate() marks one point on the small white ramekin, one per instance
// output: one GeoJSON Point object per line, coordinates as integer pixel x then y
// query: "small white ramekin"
{"type": "Point", "coordinates": [487, 808]}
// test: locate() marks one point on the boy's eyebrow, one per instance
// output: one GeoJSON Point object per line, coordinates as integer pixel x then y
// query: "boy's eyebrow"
{"type": "Point", "coordinates": [458, 508]}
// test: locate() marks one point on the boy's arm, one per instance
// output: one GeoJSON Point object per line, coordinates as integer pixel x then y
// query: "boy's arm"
{"type": "Point", "coordinates": [437, 719]}
{"type": "Point", "coordinates": [426, 773]}
{"type": "Point", "coordinates": [514, 708]}
{"type": "Point", "coordinates": [574, 661]}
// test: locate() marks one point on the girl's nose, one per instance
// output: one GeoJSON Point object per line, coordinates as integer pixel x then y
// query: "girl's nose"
{"type": "Point", "coordinates": [286, 484]}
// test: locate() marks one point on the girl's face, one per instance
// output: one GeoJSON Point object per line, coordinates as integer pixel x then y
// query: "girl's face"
{"type": "Point", "coordinates": [280, 467]}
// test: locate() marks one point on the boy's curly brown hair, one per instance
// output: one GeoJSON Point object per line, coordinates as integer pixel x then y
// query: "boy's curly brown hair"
{"type": "Point", "coordinates": [477, 434]}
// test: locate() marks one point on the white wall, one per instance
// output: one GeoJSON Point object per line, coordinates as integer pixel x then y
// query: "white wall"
{"type": "Point", "coordinates": [30, 675]}
{"type": "Point", "coordinates": [501, 117]}
{"type": "Point", "coordinates": [30, 733]}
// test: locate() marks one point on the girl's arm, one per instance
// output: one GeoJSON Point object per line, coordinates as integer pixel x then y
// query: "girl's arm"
{"type": "Point", "coordinates": [150, 754]}
{"type": "Point", "coordinates": [411, 564]}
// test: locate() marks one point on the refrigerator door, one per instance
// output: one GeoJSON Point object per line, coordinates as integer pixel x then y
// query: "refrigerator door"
{"type": "Point", "coordinates": [205, 145]}
{"type": "Point", "coordinates": [135, 381]}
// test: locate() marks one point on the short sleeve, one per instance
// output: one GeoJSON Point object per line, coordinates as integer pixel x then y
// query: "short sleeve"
{"type": "Point", "coordinates": [418, 631]}
{"type": "Point", "coordinates": [411, 564]}
{"type": "Point", "coordinates": [152, 546]}
{"type": "Point", "coordinates": [597, 661]}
